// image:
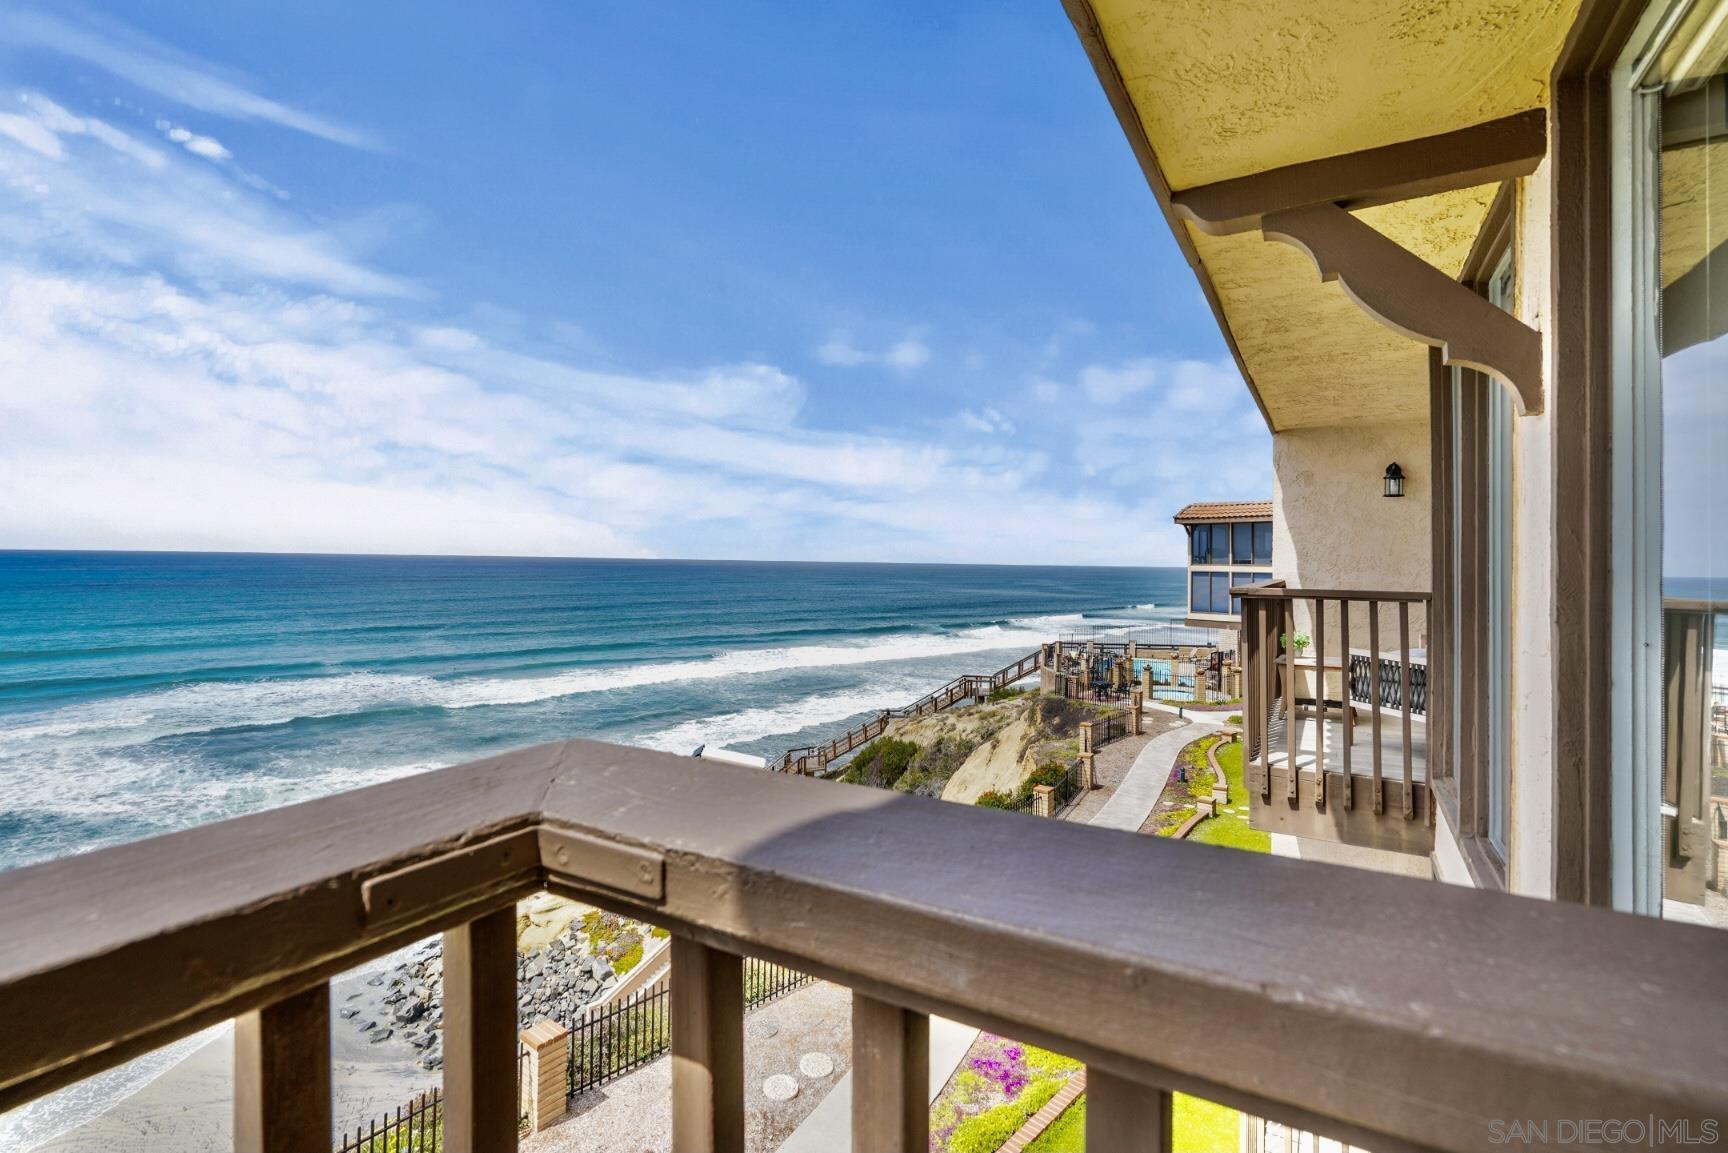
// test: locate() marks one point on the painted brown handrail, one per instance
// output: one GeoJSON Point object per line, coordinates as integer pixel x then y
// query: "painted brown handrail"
{"type": "Point", "coordinates": [1278, 591]}
{"type": "Point", "coordinates": [1342, 1000]}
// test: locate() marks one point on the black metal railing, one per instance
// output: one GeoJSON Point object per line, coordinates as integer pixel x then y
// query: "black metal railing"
{"type": "Point", "coordinates": [619, 1038]}
{"type": "Point", "coordinates": [1362, 686]}
{"type": "Point", "coordinates": [625, 1036]}
{"type": "Point", "coordinates": [417, 1127]}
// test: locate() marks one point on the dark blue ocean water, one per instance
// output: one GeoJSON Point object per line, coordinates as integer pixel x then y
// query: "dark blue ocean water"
{"type": "Point", "coordinates": [145, 692]}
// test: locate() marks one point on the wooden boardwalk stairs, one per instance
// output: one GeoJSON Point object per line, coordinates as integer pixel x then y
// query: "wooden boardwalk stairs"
{"type": "Point", "coordinates": [810, 759]}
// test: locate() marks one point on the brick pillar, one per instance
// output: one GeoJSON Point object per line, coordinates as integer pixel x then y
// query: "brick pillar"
{"type": "Point", "coordinates": [1088, 774]}
{"type": "Point", "coordinates": [1136, 700]}
{"type": "Point", "coordinates": [546, 1078]}
{"type": "Point", "coordinates": [1086, 736]}
{"type": "Point", "coordinates": [1146, 682]}
{"type": "Point", "coordinates": [1043, 801]}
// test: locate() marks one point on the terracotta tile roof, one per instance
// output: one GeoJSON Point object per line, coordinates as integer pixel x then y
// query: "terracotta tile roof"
{"type": "Point", "coordinates": [1225, 510]}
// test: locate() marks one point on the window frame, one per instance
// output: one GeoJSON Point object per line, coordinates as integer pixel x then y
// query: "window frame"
{"type": "Point", "coordinates": [1467, 653]}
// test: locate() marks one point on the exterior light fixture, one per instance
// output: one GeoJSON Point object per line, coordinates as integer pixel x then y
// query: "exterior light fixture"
{"type": "Point", "coordinates": [1394, 480]}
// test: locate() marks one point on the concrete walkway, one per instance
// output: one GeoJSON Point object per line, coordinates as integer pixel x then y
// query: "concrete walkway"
{"type": "Point", "coordinates": [829, 1126]}
{"type": "Point", "coordinates": [1134, 798]}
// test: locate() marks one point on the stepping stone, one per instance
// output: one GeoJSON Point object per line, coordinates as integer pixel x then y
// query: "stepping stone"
{"type": "Point", "coordinates": [816, 1065]}
{"type": "Point", "coordinates": [780, 1087]}
{"type": "Point", "coordinates": [763, 1028]}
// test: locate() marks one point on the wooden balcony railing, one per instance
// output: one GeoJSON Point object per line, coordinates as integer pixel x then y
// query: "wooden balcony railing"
{"type": "Point", "coordinates": [1336, 730]}
{"type": "Point", "coordinates": [1393, 1013]}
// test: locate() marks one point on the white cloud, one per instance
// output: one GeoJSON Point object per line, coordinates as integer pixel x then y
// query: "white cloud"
{"type": "Point", "coordinates": [904, 355]}
{"type": "Point", "coordinates": [1111, 384]}
{"type": "Point", "coordinates": [986, 420]}
{"type": "Point", "coordinates": [188, 364]}
{"type": "Point", "coordinates": [207, 147]}
{"type": "Point", "coordinates": [184, 79]}
{"type": "Point", "coordinates": [87, 189]}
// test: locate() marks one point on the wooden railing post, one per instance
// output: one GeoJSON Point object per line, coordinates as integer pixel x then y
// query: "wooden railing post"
{"type": "Point", "coordinates": [480, 1034]}
{"type": "Point", "coordinates": [707, 1049]}
{"type": "Point", "coordinates": [1125, 1116]}
{"type": "Point", "coordinates": [890, 1077]}
{"type": "Point", "coordinates": [282, 1075]}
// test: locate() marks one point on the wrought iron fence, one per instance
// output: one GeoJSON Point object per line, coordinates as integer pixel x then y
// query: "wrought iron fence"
{"type": "Point", "coordinates": [1111, 726]}
{"type": "Point", "coordinates": [623, 1036]}
{"type": "Point", "coordinates": [765, 981]}
{"type": "Point", "coordinates": [627, 1035]}
{"type": "Point", "coordinates": [417, 1127]}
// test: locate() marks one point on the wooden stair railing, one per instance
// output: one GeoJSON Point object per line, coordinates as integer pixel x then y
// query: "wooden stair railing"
{"type": "Point", "coordinates": [812, 758]}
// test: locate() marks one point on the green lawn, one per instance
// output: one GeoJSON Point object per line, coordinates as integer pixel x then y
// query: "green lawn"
{"type": "Point", "coordinates": [1201, 1127]}
{"type": "Point", "coordinates": [1232, 829]}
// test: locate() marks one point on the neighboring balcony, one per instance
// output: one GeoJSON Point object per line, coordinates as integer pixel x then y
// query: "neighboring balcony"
{"type": "Point", "coordinates": [1336, 729]}
{"type": "Point", "coordinates": [1339, 1001]}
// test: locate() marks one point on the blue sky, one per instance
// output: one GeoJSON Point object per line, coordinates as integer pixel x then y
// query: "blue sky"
{"type": "Point", "coordinates": [792, 281]}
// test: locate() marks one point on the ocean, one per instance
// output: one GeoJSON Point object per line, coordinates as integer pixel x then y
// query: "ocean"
{"type": "Point", "coordinates": [146, 692]}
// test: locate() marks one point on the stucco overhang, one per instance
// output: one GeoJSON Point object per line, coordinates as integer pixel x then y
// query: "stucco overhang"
{"type": "Point", "coordinates": [1225, 89]}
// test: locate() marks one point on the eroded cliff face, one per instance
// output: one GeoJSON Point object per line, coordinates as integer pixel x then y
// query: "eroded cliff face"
{"type": "Point", "coordinates": [962, 753]}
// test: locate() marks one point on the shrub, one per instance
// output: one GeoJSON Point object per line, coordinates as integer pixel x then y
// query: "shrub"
{"type": "Point", "coordinates": [935, 763]}
{"type": "Point", "coordinates": [1044, 1063]}
{"type": "Point", "coordinates": [880, 763]}
{"type": "Point", "coordinates": [1233, 719]}
{"type": "Point", "coordinates": [987, 1132]}
{"type": "Point", "coordinates": [1006, 693]}
{"type": "Point", "coordinates": [1052, 773]}
{"type": "Point", "coordinates": [995, 800]}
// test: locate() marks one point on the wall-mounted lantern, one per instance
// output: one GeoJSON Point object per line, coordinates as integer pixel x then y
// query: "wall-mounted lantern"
{"type": "Point", "coordinates": [1394, 480]}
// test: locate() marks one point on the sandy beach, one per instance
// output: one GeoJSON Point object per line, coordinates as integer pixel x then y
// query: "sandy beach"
{"type": "Point", "coordinates": [188, 1108]}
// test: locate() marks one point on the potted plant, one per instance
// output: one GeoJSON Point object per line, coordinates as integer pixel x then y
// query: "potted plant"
{"type": "Point", "coordinates": [1297, 641]}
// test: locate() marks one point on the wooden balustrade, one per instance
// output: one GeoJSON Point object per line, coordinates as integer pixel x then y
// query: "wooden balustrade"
{"type": "Point", "coordinates": [1342, 1001]}
{"type": "Point", "coordinates": [1291, 697]}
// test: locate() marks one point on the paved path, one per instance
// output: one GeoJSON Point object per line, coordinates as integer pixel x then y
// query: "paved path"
{"type": "Point", "coordinates": [829, 1126]}
{"type": "Point", "coordinates": [1133, 800]}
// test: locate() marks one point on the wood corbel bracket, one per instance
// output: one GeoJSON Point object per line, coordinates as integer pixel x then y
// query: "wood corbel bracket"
{"type": "Point", "coordinates": [1412, 297]}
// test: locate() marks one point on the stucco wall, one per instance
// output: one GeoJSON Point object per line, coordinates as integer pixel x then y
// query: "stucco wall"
{"type": "Point", "coordinates": [1531, 826]}
{"type": "Point", "coordinates": [1331, 527]}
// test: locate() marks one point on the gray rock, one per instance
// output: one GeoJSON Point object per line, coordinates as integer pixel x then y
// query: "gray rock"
{"type": "Point", "coordinates": [376, 980]}
{"type": "Point", "coordinates": [348, 1014]}
{"type": "Point", "coordinates": [365, 1026]}
{"type": "Point", "coordinates": [410, 1011]}
{"type": "Point", "coordinates": [382, 1035]}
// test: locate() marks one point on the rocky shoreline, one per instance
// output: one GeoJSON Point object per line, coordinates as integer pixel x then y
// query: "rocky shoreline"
{"type": "Point", "coordinates": [406, 1001]}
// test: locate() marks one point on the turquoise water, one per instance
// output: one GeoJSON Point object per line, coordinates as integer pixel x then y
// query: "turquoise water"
{"type": "Point", "coordinates": [141, 693]}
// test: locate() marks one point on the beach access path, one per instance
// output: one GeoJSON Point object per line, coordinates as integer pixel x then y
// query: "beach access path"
{"type": "Point", "coordinates": [1133, 799]}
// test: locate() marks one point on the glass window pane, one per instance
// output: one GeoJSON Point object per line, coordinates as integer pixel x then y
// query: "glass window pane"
{"type": "Point", "coordinates": [1692, 394]}
{"type": "Point", "coordinates": [1199, 593]}
{"type": "Point", "coordinates": [1221, 582]}
{"type": "Point", "coordinates": [1263, 542]}
{"type": "Point", "coordinates": [1242, 543]}
{"type": "Point", "coordinates": [1198, 536]}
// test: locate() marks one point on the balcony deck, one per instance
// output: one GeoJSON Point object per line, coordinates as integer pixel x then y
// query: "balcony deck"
{"type": "Point", "coordinates": [1336, 1000]}
{"type": "Point", "coordinates": [1361, 760]}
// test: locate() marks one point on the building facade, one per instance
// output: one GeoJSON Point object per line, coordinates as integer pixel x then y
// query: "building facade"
{"type": "Point", "coordinates": [1478, 241]}
{"type": "Point", "coordinates": [1229, 545]}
